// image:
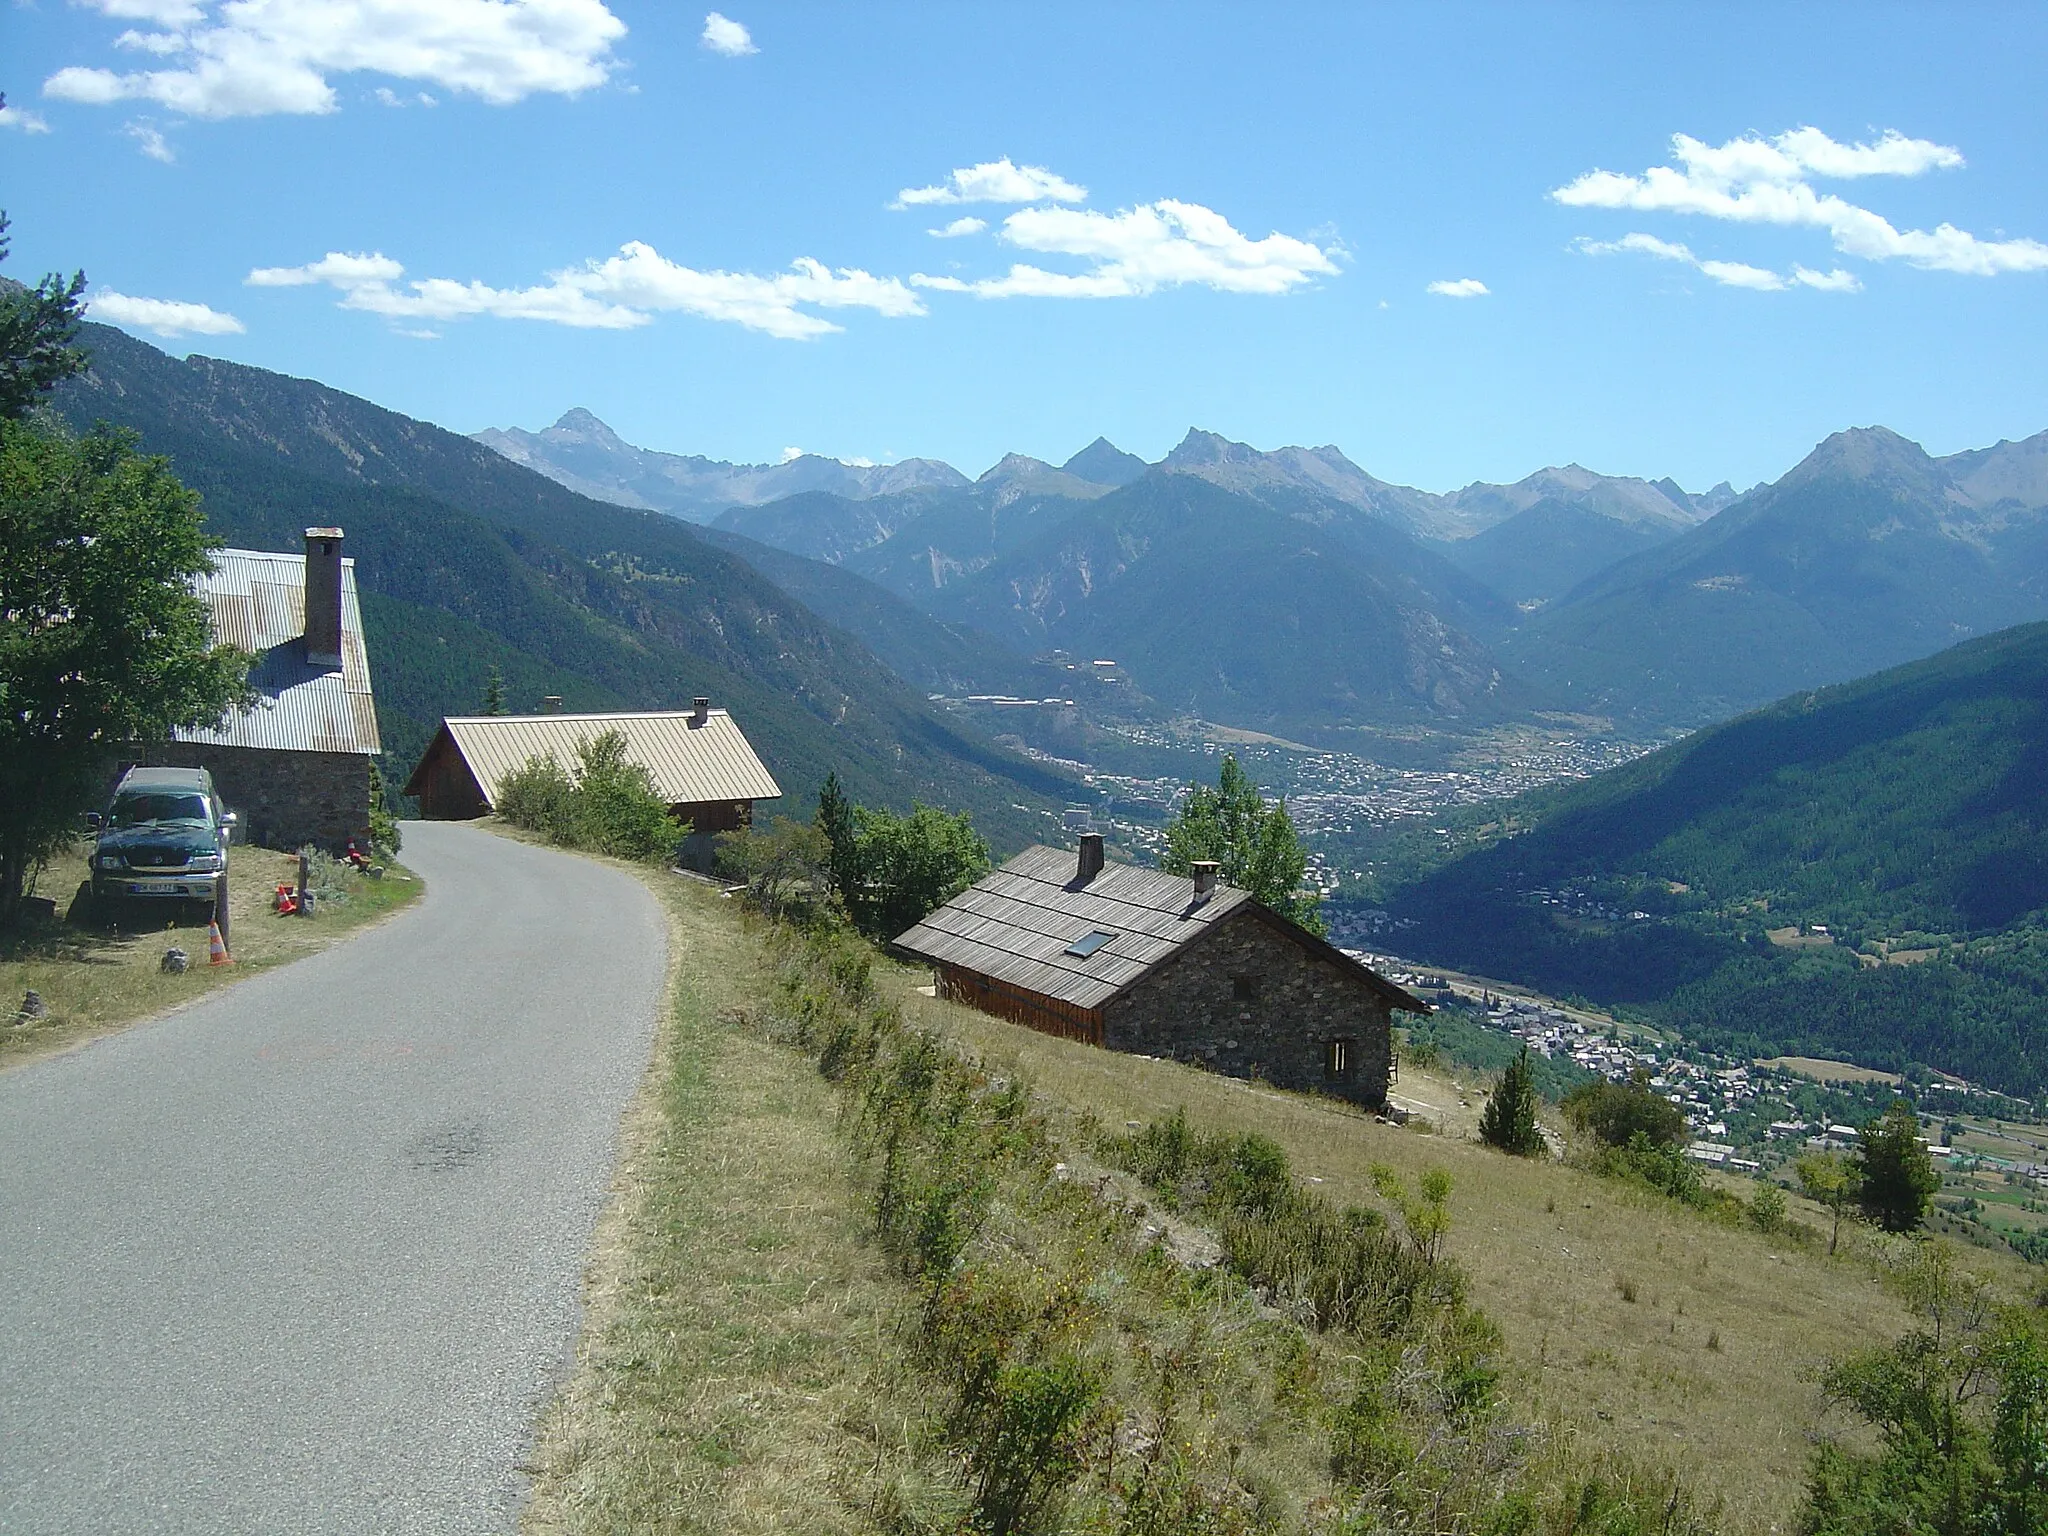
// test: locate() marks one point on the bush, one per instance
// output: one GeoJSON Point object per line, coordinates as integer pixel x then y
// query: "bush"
{"type": "Point", "coordinates": [608, 805]}
{"type": "Point", "coordinates": [1617, 1113]}
{"type": "Point", "coordinates": [909, 865]}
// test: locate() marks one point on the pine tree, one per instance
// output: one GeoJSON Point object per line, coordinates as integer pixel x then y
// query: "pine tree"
{"type": "Point", "coordinates": [1509, 1120]}
{"type": "Point", "coordinates": [494, 693]}
{"type": "Point", "coordinates": [1898, 1177]}
{"type": "Point", "coordinates": [835, 820]}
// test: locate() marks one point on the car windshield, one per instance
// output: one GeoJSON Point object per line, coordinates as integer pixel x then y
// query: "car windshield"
{"type": "Point", "coordinates": [169, 805]}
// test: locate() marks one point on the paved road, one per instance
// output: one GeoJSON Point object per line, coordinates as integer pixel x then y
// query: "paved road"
{"type": "Point", "coordinates": [305, 1257]}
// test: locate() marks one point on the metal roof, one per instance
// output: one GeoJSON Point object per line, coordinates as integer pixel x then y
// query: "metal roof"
{"type": "Point", "coordinates": [258, 601]}
{"type": "Point", "coordinates": [690, 764]}
{"type": "Point", "coordinates": [1019, 924]}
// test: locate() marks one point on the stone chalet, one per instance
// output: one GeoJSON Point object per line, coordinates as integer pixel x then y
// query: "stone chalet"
{"type": "Point", "coordinates": [296, 767]}
{"type": "Point", "coordinates": [700, 761]}
{"type": "Point", "coordinates": [1188, 969]}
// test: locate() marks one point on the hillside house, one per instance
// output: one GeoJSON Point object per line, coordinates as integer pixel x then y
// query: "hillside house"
{"type": "Point", "coordinates": [1189, 969]}
{"type": "Point", "coordinates": [296, 766]}
{"type": "Point", "coordinates": [701, 762]}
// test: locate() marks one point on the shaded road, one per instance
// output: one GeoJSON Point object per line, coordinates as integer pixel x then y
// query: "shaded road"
{"type": "Point", "coordinates": [306, 1255]}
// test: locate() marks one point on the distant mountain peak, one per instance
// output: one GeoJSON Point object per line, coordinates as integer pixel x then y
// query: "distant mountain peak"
{"type": "Point", "coordinates": [1864, 453]}
{"type": "Point", "coordinates": [1201, 447]}
{"type": "Point", "coordinates": [1105, 464]}
{"type": "Point", "coordinates": [1013, 466]}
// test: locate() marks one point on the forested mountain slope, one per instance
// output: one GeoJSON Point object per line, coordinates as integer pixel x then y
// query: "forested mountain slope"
{"type": "Point", "coordinates": [467, 560]}
{"type": "Point", "coordinates": [1906, 812]}
{"type": "Point", "coordinates": [1867, 554]}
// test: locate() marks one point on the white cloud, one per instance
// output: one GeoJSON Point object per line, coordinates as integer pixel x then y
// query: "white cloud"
{"type": "Point", "coordinates": [724, 35]}
{"type": "Point", "coordinates": [1459, 288]}
{"type": "Point", "coordinates": [388, 96]}
{"type": "Point", "coordinates": [959, 227]}
{"type": "Point", "coordinates": [165, 317]}
{"type": "Point", "coordinates": [790, 455]}
{"type": "Point", "coordinates": [1758, 181]}
{"type": "Point", "coordinates": [617, 293]}
{"type": "Point", "coordinates": [997, 181]}
{"type": "Point", "coordinates": [21, 120]}
{"type": "Point", "coordinates": [151, 142]}
{"type": "Point", "coordinates": [1731, 274]}
{"type": "Point", "coordinates": [1140, 251]}
{"type": "Point", "coordinates": [246, 58]}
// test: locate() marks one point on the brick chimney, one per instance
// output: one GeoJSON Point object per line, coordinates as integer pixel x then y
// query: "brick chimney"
{"type": "Point", "coordinates": [1205, 878]}
{"type": "Point", "coordinates": [323, 597]}
{"type": "Point", "coordinates": [700, 711]}
{"type": "Point", "coordinates": [1090, 864]}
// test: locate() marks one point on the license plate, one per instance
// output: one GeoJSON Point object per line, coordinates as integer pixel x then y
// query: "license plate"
{"type": "Point", "coordinates": [157, 888]}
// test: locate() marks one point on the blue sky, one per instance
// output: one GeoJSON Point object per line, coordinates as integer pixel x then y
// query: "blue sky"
{"type": "Point", "coordinates": [1218, 216]}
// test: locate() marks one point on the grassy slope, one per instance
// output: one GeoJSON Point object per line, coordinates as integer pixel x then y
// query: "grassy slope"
{"type": "Point", "coordinates": [736, 1371]}
{"type": "Point", "coordinates": [96, 982]}
{"type": "Point", "coordinates": [1640, 1374]}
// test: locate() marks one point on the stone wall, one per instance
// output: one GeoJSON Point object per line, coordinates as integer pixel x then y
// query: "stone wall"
{"type": "Point", "coordinates": [1251, 1002]}
{"type": "Point", "coordinates": [284, 799]}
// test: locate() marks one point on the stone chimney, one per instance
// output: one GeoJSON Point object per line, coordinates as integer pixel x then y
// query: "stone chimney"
{"type": "Point", "coordinates": [323, 597]}
{"type": "Point", "coordinates": [551, 704]}
{"type": "Point", "coordinates": [1205, 878]}
{"type": "Point", "coordinates": [700, 711]}
{"type": "Point", "coordinates": [1090, 864]}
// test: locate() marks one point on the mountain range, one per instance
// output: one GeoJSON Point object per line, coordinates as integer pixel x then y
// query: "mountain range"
{"type": "Point", "coordinates": [467, 561]}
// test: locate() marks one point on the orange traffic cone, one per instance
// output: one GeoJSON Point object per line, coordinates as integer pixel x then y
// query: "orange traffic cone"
{"type": "Point", "coordinates": [216, 950]}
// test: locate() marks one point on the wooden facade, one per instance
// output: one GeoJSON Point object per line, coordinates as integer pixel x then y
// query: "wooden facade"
{"type": "Point", "coordinates": [1034, 1010]}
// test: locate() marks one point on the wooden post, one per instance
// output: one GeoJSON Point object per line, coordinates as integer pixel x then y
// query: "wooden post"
{"type": "Point", "coordinates": [304, 869]}
{"type": "Point", "coordinates": [220, 905]}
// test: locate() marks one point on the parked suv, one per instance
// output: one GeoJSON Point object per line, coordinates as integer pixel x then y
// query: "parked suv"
{"type": "Point", "coordinates": [163, 839]}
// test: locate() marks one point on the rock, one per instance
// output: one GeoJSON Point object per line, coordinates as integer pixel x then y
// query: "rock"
{"type": "Point", "coordinates": [174, 962]}
{"type": "Point", "coordinates": [33, 1006]}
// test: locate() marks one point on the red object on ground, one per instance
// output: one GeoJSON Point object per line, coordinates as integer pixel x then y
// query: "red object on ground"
{"type": "Point", "coordinates": [216, 947]}
{"type": "Point", "coordinates": [287, 903]}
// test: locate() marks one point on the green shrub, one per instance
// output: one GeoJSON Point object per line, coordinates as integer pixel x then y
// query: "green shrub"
{"type": "Point", "coordinates": [608, 805]}
{"type": "Point", "coordinates": [1617, 1113]}
{"type": "Point", "coordinates": [1509, 1119]}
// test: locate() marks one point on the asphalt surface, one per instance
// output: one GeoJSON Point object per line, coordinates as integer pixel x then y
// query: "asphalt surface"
{"type": "Point", "coordinates": [306, 1256]}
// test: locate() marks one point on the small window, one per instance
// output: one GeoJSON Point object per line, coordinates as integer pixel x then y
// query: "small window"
{"type": "Point", "coordinates": [1088, 943]}
{"type": "Point", "coordinates": [1339, 1059]}
{"type": "Point", "coordinates": [1244, 988]}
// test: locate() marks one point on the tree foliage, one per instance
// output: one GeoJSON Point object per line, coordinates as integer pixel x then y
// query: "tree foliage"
{"type": "Point", "coordinates": [1895, 1172]}
{"type": "Point", "coordinates": [835, 824]}
{"type": "Point", "coordinates": [907, 865]}
{"type": "Point", "coordinates": [607, 805]}
{"type": "Point", "coordinates": [1509, 1119]}
{"type": "Point", "coordinates": [494, 693]}
{"type": "Point", "coordinates": [1832, 1180]}
{"type": "Point", "coordinates": [1255, 844]}
{"type": "Point", "coordinates": [102, 640]}
{"type": "Point", "coordinates": [37, 328]}
{"type": "Point", "coordinates": [1617, 1113]}
{"type": "Point", "coordinates": [1959, 1405]}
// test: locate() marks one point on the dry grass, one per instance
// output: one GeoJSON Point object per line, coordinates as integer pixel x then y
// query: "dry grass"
{"type": "Point", "coordinates": [96, 981]}
{"type": "Point", "coordinates": [1634, 1322]}
{"type": "Point", "coordinates": [734, 1373]}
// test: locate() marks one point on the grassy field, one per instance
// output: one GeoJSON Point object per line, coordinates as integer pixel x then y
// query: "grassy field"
{"type": "Point", "coordinates": [95, 980]}
{"type": "Point", "coordinates": [741, 1365]}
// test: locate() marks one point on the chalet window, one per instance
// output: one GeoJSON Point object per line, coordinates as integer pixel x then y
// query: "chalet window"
{"type": "Point", "coordinates": [1088, 943]}
{"type": "Point", "coordinates": [1339, 1058]}
{"type": "Point", "coordinates": [1244, 988]}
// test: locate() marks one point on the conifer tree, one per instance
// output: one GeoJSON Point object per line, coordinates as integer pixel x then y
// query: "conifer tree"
{"type": "Point", "coordinates": [1897, 1172]}
{"type": "Point", "coordinates": [494, 693]}
{"type": "Point", "coordinates": [835, 821]}
{"type": "Point", "coordinates": [1255, 844]}
{"type": "Point", "coordinates": [1509, 1120]}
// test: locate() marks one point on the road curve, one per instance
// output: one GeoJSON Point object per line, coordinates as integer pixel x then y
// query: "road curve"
{"type": "Point", "coordinates": [305, 1256]}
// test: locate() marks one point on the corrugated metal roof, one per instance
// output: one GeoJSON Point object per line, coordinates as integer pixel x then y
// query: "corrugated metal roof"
{"type": "Point", "coordinates": [259, 603]}
{"type": "Point", "coordinates": [1017, 923]}
{"type": "Point", "coordinates": [689, 764]}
